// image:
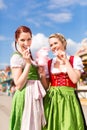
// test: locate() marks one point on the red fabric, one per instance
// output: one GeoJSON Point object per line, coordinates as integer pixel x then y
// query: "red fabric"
{"type": "Point", "coordinates": [60, 79]}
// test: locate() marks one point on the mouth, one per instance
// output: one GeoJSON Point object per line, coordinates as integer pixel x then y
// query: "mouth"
{"type": "Point", "coordinates": [25, 47]}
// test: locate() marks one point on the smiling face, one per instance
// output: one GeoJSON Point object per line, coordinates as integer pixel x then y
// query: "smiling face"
{"type": "Point", "coordinates": [24, 40]}
{"type": "Point", "coordinates": [57, 42]}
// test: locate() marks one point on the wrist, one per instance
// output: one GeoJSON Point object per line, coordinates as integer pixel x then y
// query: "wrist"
{"type": "Point", "coordinates": [28, 64]}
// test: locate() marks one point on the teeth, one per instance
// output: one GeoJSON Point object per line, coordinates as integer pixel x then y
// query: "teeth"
{"type": "Point", "coordinates": [28, 48]}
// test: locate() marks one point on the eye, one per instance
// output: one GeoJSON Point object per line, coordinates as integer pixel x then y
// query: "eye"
{"type": "Point", "coordinates": [22, 40]}
{"type": "Point", "coordinates": [55, 43]}
{"type": "Point", "coordinates": [29, 39]}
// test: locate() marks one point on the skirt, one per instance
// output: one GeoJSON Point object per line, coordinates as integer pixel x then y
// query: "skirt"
{"type": "Point", "coordinates": [17, 110]}
{"type": "Point", "coordinates": [62, 109]}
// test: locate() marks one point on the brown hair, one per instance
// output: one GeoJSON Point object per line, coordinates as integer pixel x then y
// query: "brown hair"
{"type": "Point", "coordinates": [60, 37]}
{"type": "Point", "coordinates": [19, 31]}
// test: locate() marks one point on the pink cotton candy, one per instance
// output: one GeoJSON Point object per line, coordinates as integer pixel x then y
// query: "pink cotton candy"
{"type": "Point", "coordinates": [42, 56]}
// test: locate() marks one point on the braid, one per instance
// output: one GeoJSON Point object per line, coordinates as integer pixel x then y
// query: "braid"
{"type": "Point", "coordinates": [31, 54]}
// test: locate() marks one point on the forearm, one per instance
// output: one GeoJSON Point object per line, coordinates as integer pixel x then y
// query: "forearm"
{"type": "Point", "coordinates": [73, 74]}
{"type": "Point", "coordinates": [21, 81]}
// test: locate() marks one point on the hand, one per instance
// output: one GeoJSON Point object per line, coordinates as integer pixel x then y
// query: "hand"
{"type": "Point", "coordinates": [27, 56]}
{"type": "Point", "coordinates": [61, 56]}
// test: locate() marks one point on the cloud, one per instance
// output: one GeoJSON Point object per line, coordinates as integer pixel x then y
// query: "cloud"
{"type": "Point", "coordinates": [66, 3]}
{"type": "Point", "coordinates": [39, 40]}
{"type": "Point", "coordinates": [86, 33]}
{"type": "Point", "coordinates": [82, 2]}
{"type": "Point", "coordinates": [60, 17]}
{"type": "Point", "coordinates": [2, 5]}
{"type": "Point", "coordinates": [72, 46]}
{"type": "Point", "coordinates": [60, 3]}
{"type": "Point", "coordinates": [33, 21]}
{"type": "Point", "coordinates": [3, 38]}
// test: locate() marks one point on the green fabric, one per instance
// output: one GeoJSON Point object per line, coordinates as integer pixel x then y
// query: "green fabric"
{"type": "Point", "coordinates": [18, 102]}
{"type": "Point", "coordinates": [17, 110]}
{"type": "Point", "coordinates": [33, 74]}
{"type": "Point", "coordinates": [62, 110]}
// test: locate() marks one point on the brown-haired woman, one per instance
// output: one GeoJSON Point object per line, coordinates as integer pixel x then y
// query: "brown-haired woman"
{"type": "Point", "coordinates": [27, 106]}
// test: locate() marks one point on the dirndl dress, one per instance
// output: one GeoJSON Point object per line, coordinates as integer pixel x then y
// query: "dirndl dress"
{"type": "Point", "coordinates": [27, 112]}
{"type": "Point", "coordinates": [62, 109]}
{"type": "Point", "coordinates": [61, 106]}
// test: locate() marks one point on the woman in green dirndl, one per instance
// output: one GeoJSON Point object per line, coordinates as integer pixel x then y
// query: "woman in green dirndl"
{"type": "Point", "coordinates": [27, 111]}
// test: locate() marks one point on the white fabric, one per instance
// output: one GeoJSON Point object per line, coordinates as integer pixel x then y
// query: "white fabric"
{"type": "Point", "coordinates": [33, 114]}
{"type": "Point", "coordinates": [17, 61]}
{"type": "Point", "coordinates": [77, 64]}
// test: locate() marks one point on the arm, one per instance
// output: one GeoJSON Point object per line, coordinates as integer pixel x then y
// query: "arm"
{"type": "Point", "coordinates": [74, 74]}
{"type": "Point", "coordinates": [20, 76]}
{"type": "Point", "coordinates": [20, 73]}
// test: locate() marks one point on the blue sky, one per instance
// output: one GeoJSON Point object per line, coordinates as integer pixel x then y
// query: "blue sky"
{"type": "Point", "coordinates": [44, 17]}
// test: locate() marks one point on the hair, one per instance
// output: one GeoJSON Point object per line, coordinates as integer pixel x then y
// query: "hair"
{"type": "Point", "coordinates": [60, 37]}
{"type": "Point", "coordinates": [17, 34]}
{"type": "Point", "coordinates": [19, 31]}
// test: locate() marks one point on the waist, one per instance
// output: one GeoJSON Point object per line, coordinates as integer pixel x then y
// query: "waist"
{"type": "Point", "coordinates": [60, 83]}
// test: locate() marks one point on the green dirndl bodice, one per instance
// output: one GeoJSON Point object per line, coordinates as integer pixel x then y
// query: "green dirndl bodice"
{"type": "Point", "coordinates": [18, 102]}
{"type": "Point", "coordinates": [62, 109]}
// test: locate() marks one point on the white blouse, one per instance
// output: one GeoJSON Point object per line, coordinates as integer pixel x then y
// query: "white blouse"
{"type": "Point", "coordinates": [17, 61]}
{"type": "Point", "coordinates": [77, 64]}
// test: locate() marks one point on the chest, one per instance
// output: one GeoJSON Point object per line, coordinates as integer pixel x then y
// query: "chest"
{"type": "Point", "coordinates": [56, 67]}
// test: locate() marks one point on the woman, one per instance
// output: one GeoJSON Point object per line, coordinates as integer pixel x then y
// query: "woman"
{"type": "Point", "coordinates": [27, 107]}
{"type": "Point", "coordinates": [61, 106]}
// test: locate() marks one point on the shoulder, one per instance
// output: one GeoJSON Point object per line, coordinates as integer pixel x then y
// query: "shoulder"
{"type": "Point", "coordinates": [77, 59]}
{"type": "Point", "coordinates": [78, 63]}
{"type": "Point", "coordinates": [16, 55]}
{"type": "Point", "coordinates": [16, 60]}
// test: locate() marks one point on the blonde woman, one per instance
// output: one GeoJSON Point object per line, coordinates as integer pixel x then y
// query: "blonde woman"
{"type": "Point", "coordinates": [62, 109]}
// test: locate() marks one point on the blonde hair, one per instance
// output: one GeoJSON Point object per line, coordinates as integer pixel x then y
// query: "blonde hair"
{"type": "Point", "coordinates": [60, 37]}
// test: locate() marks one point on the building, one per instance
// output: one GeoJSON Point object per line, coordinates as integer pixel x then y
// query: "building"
{"type": "Point", "coordinates": [82, 84]}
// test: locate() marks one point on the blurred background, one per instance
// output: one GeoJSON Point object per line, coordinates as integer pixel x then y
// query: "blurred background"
{"type": "Point", "coordinates": [44, 18]}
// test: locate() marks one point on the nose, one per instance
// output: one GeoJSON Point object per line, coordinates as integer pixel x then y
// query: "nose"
{"type": "Point", "coordinates": [53, 48]}
{"type": "Point", "coordinates": [26, 42]}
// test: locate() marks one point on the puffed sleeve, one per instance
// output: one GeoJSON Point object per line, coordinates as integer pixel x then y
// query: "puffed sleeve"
{"type": "Point", "coordinates": [78, 63]}
{"type": "Point", "coordinates": [17, 61]}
